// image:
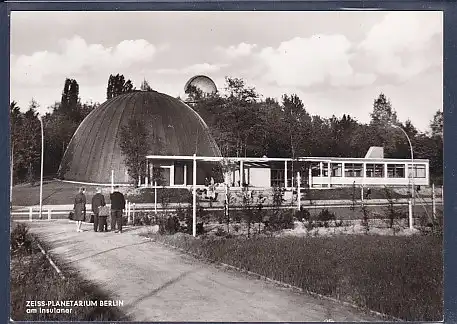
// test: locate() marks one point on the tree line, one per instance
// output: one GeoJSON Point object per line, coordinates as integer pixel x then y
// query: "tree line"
{"type": "Point", "coordinates": [241, 122]}
{"type": "Point", "coordinates": [244, 124]}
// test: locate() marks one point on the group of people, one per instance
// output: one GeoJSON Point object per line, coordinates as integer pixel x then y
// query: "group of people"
{"type": "Point", "coordinates": [98, 207]}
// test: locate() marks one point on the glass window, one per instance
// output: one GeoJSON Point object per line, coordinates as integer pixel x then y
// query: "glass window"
{"type": "Point", "coordinates": [277, 177]}
{"type": "Point", "coordinates": [316, 169]}
{"type": "Point", "coordinates": [353, 169]}
{"type": "Point", "coordinates": [375, 170]}
{"type": "Point", "coordinates": [419, 170]}
{"type": "Point", "coordinates": [337, 170]}
{"type": "Point", "coordinates": [395, 170]}
{"type": "Point", "coordinates": [325, 169]}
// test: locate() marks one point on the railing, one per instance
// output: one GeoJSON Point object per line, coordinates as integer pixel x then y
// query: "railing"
{"type": "Point", "coordinates": [51, 212]}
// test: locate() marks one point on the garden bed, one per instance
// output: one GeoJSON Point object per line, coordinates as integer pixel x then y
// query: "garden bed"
{"type": "Point", "coordinates": [399, 276]}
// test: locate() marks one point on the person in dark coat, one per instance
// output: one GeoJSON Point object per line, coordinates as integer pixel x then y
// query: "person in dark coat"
{"type": "Point", "coordinates": [80, 208]}
{"type": "Point", "coordinates": [98, 200]}
{"type": "Point", "coordinates": [117, 207]}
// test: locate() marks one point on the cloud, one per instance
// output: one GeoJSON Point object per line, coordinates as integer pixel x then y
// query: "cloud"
{"type": "Point", "coordinates": [78, 57]}
{"type": "Point", "coordinates": [240, 50]}
{"type": "Point", "coordinates": [404, 44]}
{"type": "Point", "coordinates": [306, 62]}
{"type": "Point", "coordinates": [193, 69]}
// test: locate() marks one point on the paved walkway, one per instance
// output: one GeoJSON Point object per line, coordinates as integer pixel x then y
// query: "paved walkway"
{"type": "Point", "coordinates": [160, 284]}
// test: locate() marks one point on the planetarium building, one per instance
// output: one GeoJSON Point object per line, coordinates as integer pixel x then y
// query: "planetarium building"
{"type": "Point", "coordinates": [94, 153]}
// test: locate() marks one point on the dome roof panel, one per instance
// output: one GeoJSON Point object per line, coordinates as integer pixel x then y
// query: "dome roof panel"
{"type": "Point", "coordinates": [94, 149]}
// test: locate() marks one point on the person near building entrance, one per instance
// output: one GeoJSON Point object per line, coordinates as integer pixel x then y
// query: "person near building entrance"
{"type": "Point", "coordinates": [98, 200]}
{"type": "Point", "coordinates": [117, 207]}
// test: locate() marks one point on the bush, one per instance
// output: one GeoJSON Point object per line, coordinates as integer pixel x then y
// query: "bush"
{"type": "Point", "coordinates": [143, 218]}
{"type": "Point", "coordinates": [169, 225]}
{"type": "Point", "coordinates": [281, 219]}
{"type": "Point", "coordinates": [325, 215]}
{"type": "Point", "coordinates": [303, 214]}
{"type": "Point", "coordinates": [21, 242]}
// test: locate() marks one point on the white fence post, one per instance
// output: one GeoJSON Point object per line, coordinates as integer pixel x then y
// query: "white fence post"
{"type": "Point", "coordinates": [155, 197]}
{"type": "Point", "coordinates": [30, 213]}
{"type": "Point", "coordinates": [298, 191]}
{"type": "Point", "coordinates": [410, 214]}
{"type": "Point", "coordinates": [49, 213]}
{"type": "Point", "coordinates": [433, 202]}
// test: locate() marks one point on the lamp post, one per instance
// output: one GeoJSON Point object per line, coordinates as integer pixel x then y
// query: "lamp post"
{"type": "Point", "coordinates": [41, 174]}
{"type": "Point", "coordinates": [412, 165]}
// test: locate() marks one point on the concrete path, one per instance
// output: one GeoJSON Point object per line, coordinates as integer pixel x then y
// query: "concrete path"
{"type": "Point", "coordinates": [161, 284]}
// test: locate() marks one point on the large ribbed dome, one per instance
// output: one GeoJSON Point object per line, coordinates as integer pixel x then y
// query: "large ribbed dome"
{"type": "Point", "coordinates": [94, 149]}
{"type": "Point", "coordinates": [203, 83]}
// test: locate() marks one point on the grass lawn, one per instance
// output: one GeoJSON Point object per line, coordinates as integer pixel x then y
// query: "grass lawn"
{"type": "Point", "coordinates": [34, 279]}
{"type": "Point", "coordinates": [398, 276]}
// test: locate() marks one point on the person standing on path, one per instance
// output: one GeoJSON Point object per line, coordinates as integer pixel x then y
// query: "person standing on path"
{"type": "Point", "coordinates": [80, 208]}
{"type": "Point", "coordinates": [117, 207]}
{"type": "Point", "coordinates": [98, 200]}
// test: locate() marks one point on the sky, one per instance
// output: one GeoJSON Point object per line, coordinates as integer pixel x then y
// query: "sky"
{"type": "Point", "coordinates": [337, 62]}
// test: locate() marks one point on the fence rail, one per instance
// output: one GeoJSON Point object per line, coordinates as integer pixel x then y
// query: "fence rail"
{"type": "Point", "coordinates": [49, 211]}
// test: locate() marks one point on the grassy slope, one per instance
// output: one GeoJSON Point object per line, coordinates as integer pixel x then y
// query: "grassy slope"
{"type": "Point", "coordinates": [34, 279]}
{"type": "Point", "coordinates": [398, 276]}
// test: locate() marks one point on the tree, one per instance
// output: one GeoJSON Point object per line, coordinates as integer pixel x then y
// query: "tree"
{"type": "Point", "coordinates": [436, 125]}
{"type": "Point", "coordinates": [145, 86]}
{"type": "Point", "coordinates": [70, 99]}
{"type": "Point", "coordinates": [135, 146]}
{"type": "Point", "coordinates": [238, 90]}
{"type": "Point", "coordinates": [383, 114]}
{"type": "Point", "coordinates": [193, 93]}
{"type": "Point", "coordinates": [117, 85]}
{"type": "Point", "coordinates": [28, 142]}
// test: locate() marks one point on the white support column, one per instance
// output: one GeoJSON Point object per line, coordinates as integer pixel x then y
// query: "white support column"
{"type": "Point", "coordinates": [172, 174]}
{"type": "Point", "coordinates": [433, 202]}
{"type": "Point", "coordinates": [241, 173]}
{"type": "Point", "coordinates": [194, 201]}
{"type": "Point", "coordinates": [385, 170]}
{"type": "Point", "coordinates": [321, 169]}
{"type": "Point", "coordinates": [329, 174]}
{"type": "Point", "coordinates": [185, 174]}
{"type": "Point", "coordinates": [30, 213]}
{"type": "Point", "coordinates": [128, 212]}
{"type": "Point", "coordinates": [49, 213]}
{"type": "Point", "coordinates": [112, 180]}
{"type": "Point", "coordinates": [155, 197]}
{"type": "Point", "coordinates": [285, 174]}
{"type": "Point", "coordinates": [343, 170]}
{"type": "Point", "coordinates": [298, 191]}
{"type": "Point", "coordinates": [310, 178]}
{"type": "Point", "coordinates": [410, 214]}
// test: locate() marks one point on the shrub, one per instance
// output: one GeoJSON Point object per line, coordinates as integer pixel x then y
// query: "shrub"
{"type": "Point", "coordinates": [281, 219]}
{"type": "Point", "coordinates": [21, 242]}
{"type": "Point", "coordinates": [169, 225]}
{"type": "Point", "coordinates": [325, 215]}
{"type": "Point", "coordinates": [303, 214]}
{"type": "Point", "coordinates": [143, 218]}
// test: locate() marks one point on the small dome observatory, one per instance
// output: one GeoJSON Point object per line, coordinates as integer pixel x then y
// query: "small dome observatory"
{"type": "Point", "coordinates": [94, 150]}
{"type": "Point", "coordinates": [205, 84]}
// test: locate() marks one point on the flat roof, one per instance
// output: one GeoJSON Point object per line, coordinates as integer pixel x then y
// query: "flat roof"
{"type": "Point", "coordinates": [266, 159]}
